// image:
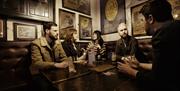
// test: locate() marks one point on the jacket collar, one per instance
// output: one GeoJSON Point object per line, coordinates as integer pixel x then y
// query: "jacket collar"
{"type": "Point", "coordinates": [44, 42]}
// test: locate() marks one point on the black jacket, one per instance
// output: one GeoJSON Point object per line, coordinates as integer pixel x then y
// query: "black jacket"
{"type": "Point", "coordinates": [69, 49]}
{"type": "Point", "coordinates": [166, 60]}
{"type": "Point", "coordinates": [127, 47]}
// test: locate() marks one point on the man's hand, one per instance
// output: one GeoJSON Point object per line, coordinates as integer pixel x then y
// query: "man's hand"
{"type": "Point", "coordinates": [61, 65]}
{"type": "Point", "coordinates": [72, 70]}
{"type": "Point", "coordinates": [132, 61]}
{"type": "Point", "coordinates": [127, 69]}
{"type": "Point", "coordinates": [83, 62]}
{"type": "Point", "coordinates": [71, 67]}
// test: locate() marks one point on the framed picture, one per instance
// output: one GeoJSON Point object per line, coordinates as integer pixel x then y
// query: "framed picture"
{"type": "Point", "coordinates": [12, 7]}
{"type": "Point", "coordinates": [85, 27]}
{"type": "Point", "coordinates": [42, 10]}
{"type": "Point", "coordinates": [82, 6]}
{"type": "Point", "coordinates": [112, 14]}
{"type": "Point", "coordinates": [138, 21]}
{"type": "Point", "coordinates": [175, 4]}
{"type": "Point", "coordinates": [66, 19]}
{"type": "Point", "coordinates": [25, 31]}
{"type": "Point", "coordinates": [2, 30]}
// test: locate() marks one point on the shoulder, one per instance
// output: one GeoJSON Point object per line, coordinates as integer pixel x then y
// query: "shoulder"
{"type": "Point", "coordinates": [132, 37]}
{"type": "Point", "coordinates": [36, 41]}
{"type": "Point", "coordinates": [40, 41]}
{"type": "Point", "coordinates": [119, 42]}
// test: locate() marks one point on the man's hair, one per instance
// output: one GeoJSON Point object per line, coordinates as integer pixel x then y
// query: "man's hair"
{"type": "Point", "coordinates": [121, 25]}
{"type": "Point", "coordinates": [47, 25]}
{"type": "Point", "coordinates": [159, 9]}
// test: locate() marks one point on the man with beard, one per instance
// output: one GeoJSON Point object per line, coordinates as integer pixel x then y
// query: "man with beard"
{"type": "Point", "coordinates": [165, 31]}
{"type": "Point", "coordinates": [47, 53]}
{"type": "Point", "coordinates": [127, 46]}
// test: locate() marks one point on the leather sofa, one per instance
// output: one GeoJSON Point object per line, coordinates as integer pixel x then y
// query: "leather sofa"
{"type": "Point", "coordinates": [14, 66]}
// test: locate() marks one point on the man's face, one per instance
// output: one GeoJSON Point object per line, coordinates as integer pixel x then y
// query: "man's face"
{"type": "Point", "coordinates": [148, 28]}
{"type": "Point", "coordinates": [53, 33]}
{"type": "Point", "coordinates": [122, 30]}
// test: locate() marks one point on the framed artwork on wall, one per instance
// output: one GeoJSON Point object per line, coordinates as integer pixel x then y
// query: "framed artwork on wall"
{"type": "Point", "coordinates": [41, 9]}
{"type": "Point", "coordinates": [2, 30]}
{"type": "Point", "coordinates": [85, 27]}
{"type": "Point", "coordinates": [138, 21]}
{"type": "Point", "coordinates": [12, 7]}
{"type": "Point", "coordinates": [25, 31]}
{"type": "Point", "coordinates": [112, 13]}
{"type": "Point", "coordinates": [175, 4]}
{"type": "Point", "coordinates": [82, 6]}
{"type": "Point", "coordinates": [66, 19]}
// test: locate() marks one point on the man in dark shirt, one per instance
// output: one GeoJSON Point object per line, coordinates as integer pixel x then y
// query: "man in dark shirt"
{"type": "Point", "coordinates": [165, 31]}
{"type": "Point", "coordinates": [127, 45]}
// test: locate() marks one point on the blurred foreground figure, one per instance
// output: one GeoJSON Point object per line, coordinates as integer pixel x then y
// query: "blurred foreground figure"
{"type": "Point", "coordinates": [164, 72]}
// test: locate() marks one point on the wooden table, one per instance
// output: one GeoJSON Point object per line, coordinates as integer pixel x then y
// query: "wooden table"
{"type": "Point", "coordinates": [88, 80]}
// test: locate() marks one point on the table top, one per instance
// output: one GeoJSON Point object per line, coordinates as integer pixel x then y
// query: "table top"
{"type": "Point", "coordinates": [87, 79]}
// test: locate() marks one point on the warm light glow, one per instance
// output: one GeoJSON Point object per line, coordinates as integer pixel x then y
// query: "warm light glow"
{"type": "Point", "coordinates": [175, 15]}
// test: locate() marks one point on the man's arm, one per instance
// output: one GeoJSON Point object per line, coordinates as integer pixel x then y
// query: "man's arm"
{"type": "Point", "coordinates": [127, 69]}
{"type": "Point", "coordinates": [37, 59]}
{"type": "Point", "coordinates": [134, 63]}
{"type": "Point", "coordinates": [146, 66]}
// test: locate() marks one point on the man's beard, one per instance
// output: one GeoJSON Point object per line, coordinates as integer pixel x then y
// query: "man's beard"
{"type": "Point", "coordinates": [149, 31]}
{"type": "Point", "coordinates": [124, 36]}
{"type": "Point", "coordinates": [53, 37]}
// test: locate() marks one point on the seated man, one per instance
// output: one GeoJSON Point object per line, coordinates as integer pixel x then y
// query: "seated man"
{"type": "Point", "coordinates": [127, 45]}
{"type": "Point", "coordinates": [47, 53]}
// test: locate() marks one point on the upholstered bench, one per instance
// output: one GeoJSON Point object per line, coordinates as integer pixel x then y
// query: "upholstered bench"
{"type": "Point", "coordinates": [14, 66]}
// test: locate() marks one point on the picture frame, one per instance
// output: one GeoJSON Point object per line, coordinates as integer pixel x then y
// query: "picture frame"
{"type": "Point", "coordinates": [82, 6]}
{"type": "Point", "coordinates": [42, 10]}
{"type": "Point", "coordinates": [112, 14]}
{"type": "Point", "coordinates": [66, 19]}
{"type": "Point", "coordinates": [13, 7]}
{"type": "Point", "coordinates": [2, 30]}
{"type": "Point", "coordinates": [85, 28]}
{"type": "Point", "coordinates": [175, 4]}
{"type": "Point", "coordinates": [25, 32]}
{"type": "Point", "coordinates": [138, 20]}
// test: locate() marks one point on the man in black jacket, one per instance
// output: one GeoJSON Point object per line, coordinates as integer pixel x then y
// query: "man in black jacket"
{"type": "Point", "coordinates": [127, 45]}
{"type": "Point", "coordinates": [165, 31]}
